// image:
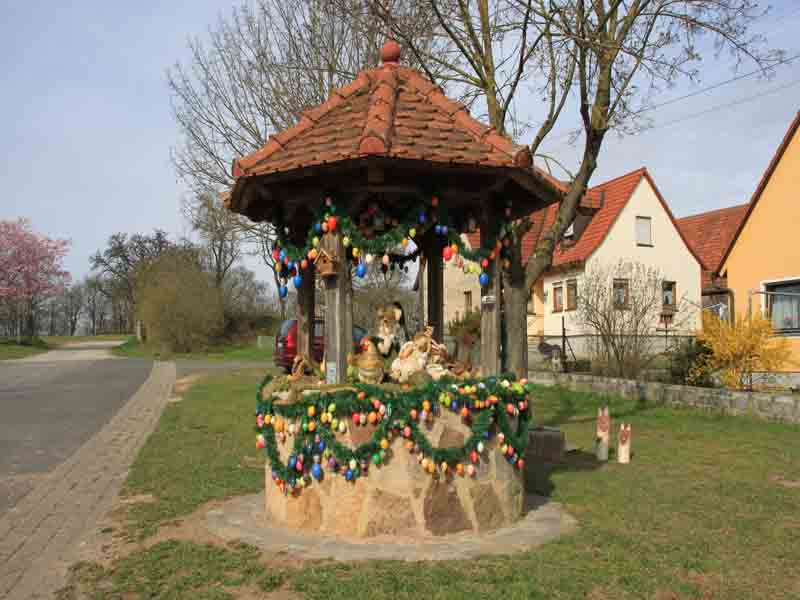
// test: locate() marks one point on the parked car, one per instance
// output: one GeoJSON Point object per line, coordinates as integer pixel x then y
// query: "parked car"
{"type": "Point", "coordinates": [286, 342]}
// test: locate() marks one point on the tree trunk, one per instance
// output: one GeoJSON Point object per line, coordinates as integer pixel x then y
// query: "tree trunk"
{"type": "Point", "coordinates": [516, 303]}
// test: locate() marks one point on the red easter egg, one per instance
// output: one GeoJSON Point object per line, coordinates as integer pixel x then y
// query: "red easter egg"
{"type": "Point", "coordinates": [510, 408]}
{"type": "Point", "coordinates": [413, 414]}
{"type": "Point", "coordinates": [473, 456]}
{"type": "Point", "coordinates": [276, 254]}
{"type": "Point", "coordinates": [435, 201]}
{"type": "Point", "coordinates": [407, 431]}
{"type": "Point", "coordinates": [485, 263]}
{"type": "Point", "coordinates": [304, 264]}
{"type": "Point", "coordinates": [332, 223]}
{"type": "Point", "coordinates": [447, 253]}
{"type": "Point", "coordinates": [520, 464]}
{"type": "Point", "coordinates": [356, 418]}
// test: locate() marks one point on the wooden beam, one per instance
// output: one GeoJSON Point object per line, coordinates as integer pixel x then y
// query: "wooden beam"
{"type": "Point", "coordinates": [490, 298]}
{"type": "Point", "coordinates": [305, 314]}
{"type": "Point", "coordinates": [432, 249]}
{"type": "Point", "coordinates": [338, 311]}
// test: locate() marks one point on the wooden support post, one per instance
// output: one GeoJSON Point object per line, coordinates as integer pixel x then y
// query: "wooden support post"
{"type": "Point", "coordinates": [305, 314]}
{"type": "Point", "coordinates": [490, 300]}
{"type": "Point", "coordinates": [432, 248]}
{"type": "Point", "coordinates": [515, 310]}
{"type": "Point", "coordinates": [338, 311]}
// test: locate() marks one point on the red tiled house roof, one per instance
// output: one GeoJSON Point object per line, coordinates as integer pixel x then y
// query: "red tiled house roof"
{"type": "Point", "coordinates": [391, 111]}
{"type": "Point", "coordinates": [606, 202]}
{"type": "Point", "coordinates": [709, 234]}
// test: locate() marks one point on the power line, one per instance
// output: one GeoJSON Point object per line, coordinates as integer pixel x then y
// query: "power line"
{"type": "Point", "coordinates": [744, 100]}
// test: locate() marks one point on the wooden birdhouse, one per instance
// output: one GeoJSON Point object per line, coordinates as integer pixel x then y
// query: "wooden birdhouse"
{"type": "Point", "coordinates": [326, 264]}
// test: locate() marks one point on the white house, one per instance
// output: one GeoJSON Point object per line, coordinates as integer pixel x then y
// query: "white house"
{"type": "Point", "coordinates": [625, 219]}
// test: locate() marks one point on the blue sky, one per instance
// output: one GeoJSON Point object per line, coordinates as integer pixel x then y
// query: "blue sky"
{"type": "Point", "coordinates": [86, 128]}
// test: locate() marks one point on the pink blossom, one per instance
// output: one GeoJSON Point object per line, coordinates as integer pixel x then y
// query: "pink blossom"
{"type": "Point", "coordinates": [30, 264]}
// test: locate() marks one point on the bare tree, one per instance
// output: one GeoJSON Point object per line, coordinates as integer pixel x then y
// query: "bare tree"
{"type": "Point", "coordinates": [220, 231]}
{"type": "Point", "coordinates": [622, 304]}
{"type": "Point", "coordinates": [73, 302]}
{"type": "Point", "coordinates": [260, 67]}
{"type": "Point", "coordinates": [95, 303]}
{"type": "Point", "coordinates": [614, 56]}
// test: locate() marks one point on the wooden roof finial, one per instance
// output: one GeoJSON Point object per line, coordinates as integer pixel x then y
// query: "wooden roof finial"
{"type": "Point", "coordinates": [390, 53]}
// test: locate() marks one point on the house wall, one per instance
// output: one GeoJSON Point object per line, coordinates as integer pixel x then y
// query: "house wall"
{"type": "Point", "coordinates": [767, 247]}
{"type": "Point", "coordinates": [456, 284]}
{"type": "Point", "coordinates": [669, 254]}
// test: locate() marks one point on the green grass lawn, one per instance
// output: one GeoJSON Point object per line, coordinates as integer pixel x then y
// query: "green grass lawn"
{"type": "Point", "coordinates": [696, 514]}
{"type": "Point", "coordinates": [234, 352]}
{"type": "Point", "coordinates": [10, 349]}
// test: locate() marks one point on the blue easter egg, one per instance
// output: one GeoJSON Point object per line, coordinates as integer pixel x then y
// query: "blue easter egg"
{"type": "Point", "coordinates": [316, 471]}
{"type": "Point", "coordinates": [292, 462]}
{"type": "Point", "coordinates": [297, 280]}
{"type": "Point", "coordinates": [321, 445]}
{"type": "Point", "coordinates": [318, 227]}
{"type": "Point", "coordinates": [283, 291]}
{"type": "Point", "coordinates": [348, 475]}
{"type": "Point", "coordinates": [282, 255]}
{"type": "Point", "coordinates": [438, 230]}
{"type": "Point", "coordinates": [454, 406]}
{"type": "Point", "coordinates": [444, 229]}
{"type": "Point", "coordinates": [484, 279]}
{"type": "Point", "coordinates": [421, 218]}
{"type": "Point", "coordinates": [361, 270]}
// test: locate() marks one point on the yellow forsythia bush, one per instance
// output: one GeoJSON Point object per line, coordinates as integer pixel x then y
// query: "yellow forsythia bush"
{"type": "Point", "coordinates": [738, 349]}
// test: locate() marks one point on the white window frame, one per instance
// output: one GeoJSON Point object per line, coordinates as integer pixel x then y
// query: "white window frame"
{"type": "Point", "coordinates": [650, 231]}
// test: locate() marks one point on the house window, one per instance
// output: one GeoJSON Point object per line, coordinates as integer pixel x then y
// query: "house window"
{"type": "Point", "coordinates": [572, 294]}
{"type": "Point", "coordinates": [783, 304]}
{"type": "Point", "coordinates": [621, 293]}
{"type": "Point", "coordinates": [467, 301]}
{"type": "Point", "coordinates": [558, 297]}
{"type": "Point", "coordinates": [644, 233]}
{"type": "Point", "coordinates": [668, 294]}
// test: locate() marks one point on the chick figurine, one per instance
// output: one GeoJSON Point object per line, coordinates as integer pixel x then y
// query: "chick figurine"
{"type": "Point", "coordinates": [369, 362]}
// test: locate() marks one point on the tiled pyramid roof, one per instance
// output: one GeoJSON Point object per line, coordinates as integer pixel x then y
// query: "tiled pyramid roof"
{"type": "Point", "coordinates": [390, 111]}
{"type": "Point", "coordinates": [709, 234]}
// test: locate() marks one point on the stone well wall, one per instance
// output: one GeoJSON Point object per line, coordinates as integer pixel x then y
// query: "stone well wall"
{"type": "Point", "coordinates": [399, 497]}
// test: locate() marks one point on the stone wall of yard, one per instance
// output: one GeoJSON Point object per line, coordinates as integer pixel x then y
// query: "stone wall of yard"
{"type": "Point", "coordinates": [777, 407]}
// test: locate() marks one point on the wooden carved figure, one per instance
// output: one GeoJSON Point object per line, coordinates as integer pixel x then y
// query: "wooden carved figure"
{"type": "Point", "coordinates": [603, 433]}
{"type": "Point", "coordinates": [624, 444]}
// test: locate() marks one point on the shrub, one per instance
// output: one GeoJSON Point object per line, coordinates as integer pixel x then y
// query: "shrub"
{"type": "Point", "coordinates": [739, 349]}
{"type": "Point", "coordinates": [685, 359]}
{"type": "Point", "coordinates": [181, 309]}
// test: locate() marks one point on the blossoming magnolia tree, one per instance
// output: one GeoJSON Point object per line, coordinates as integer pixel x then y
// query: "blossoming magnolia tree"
{"type": "Point", "coordinates": [30, 270]}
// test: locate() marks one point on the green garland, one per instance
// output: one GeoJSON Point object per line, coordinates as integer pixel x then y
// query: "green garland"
{"type": "Point", "coordinates": [411, 226]}
{"type": "Point", "coordinates": [481, 402]}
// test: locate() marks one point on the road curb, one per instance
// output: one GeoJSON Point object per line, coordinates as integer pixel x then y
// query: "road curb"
{"type": "Point", "coordinates": [38, 535]}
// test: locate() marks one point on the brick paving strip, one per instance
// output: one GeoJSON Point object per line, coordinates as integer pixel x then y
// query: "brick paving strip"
{"type": "Point", "coordinates": [38, 537]}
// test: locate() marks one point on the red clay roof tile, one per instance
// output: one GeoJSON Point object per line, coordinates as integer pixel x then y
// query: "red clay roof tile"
{"type": "Point", "coordinates": [392, 111]}
{"type": "Point", "coordinates": [709, 234]}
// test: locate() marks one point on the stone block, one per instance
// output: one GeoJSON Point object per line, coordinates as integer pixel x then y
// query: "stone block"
{"type": "Point", "coordinates": [489, 512]}
{"type": "Point", "coordinates": [443, 511]}
{"type": "Point", "coordinates": [342, 514]}
{"type": "Point", "coordinates": [304, 510]}
{"type": "Point", "coordinates": [546, 444]}
{"type": "Point", "coordinates": [389, 514]}
{"type": "Point", "coordinates": [451, 437]}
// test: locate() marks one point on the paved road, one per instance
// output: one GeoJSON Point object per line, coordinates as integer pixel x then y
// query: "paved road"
{"type": "Point", "coordinates": [52, 403]}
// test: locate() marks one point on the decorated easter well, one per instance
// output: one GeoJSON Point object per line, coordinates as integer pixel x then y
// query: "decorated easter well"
{"type": "Point", "coordinates": [389, 170]}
